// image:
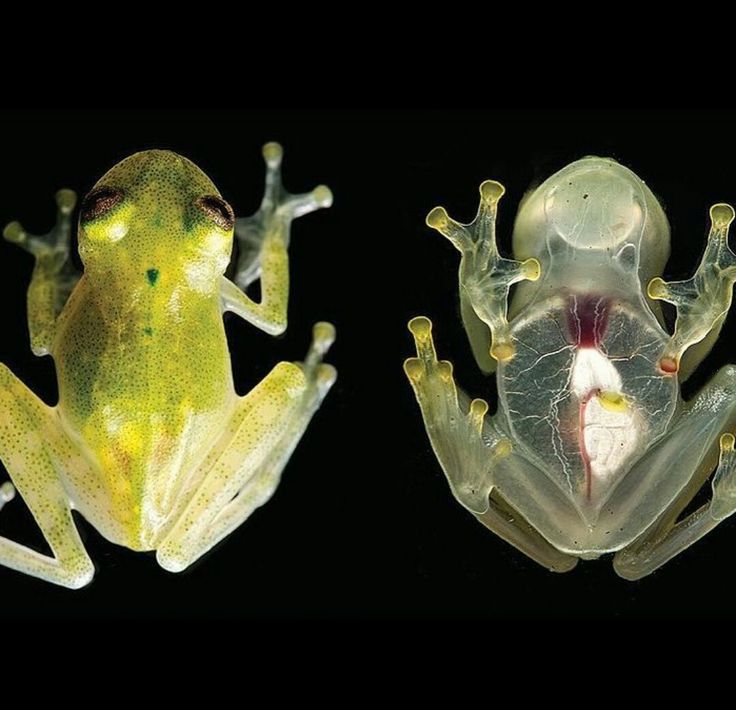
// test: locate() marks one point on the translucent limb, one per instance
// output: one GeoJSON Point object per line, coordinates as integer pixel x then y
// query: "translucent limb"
{"type": "Point", "coordinates": [485, 276]}
{"type": "Point", "coordinates": [685, 456]}
{"type": "Point", "coordinates": [468, 447]}
{"type": "Point", "coordinates": [244, 468]}
{"type": "Point", "coordinates": [54, 274]}
{"type": "Point", "coordinates": [263, 241]}
{"type": "Point", "coordinates": [723, 503]}
{"type": "Point", "coordinates": [702, 301]}
{"type": "Point", "coordinates": [457, 428]}
{"type": "Point", "coordinates": [39, 458]}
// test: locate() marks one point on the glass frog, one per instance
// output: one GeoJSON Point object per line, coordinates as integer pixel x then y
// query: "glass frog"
{"type": "Point", "coordinates": [149, 440]}
{"type": "Point", "coordinates": [592, 449]}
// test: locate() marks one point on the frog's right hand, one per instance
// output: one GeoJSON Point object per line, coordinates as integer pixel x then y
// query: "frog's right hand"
{"type": "Point", "coordinates": [273, 218]}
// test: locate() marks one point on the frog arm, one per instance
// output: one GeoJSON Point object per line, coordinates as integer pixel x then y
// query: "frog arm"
{"type": "Point", "coordinates": [54, 274]}
{"type": "Point", "coordinates": [682, 461]}
{"type": "Point", "coordinates": [469, 448]}
{"type": "Point", "coordinates": [485, 276]}
{"type": "Point", "coordinates": [702, 301]}
{"type": "Point", "coordinates": [263, 243]}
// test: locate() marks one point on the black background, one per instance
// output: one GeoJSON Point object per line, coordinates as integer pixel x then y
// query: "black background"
{"type": "Point", "coordinates": [363, 523]}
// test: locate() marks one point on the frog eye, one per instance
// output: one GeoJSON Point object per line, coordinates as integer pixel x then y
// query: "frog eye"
{"type": "Point", "coordinates": [100, 202]}
{"type": "Point", "coordinates": [217, 210]}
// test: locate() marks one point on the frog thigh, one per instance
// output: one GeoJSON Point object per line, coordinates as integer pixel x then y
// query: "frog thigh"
{"type": "Point", "coordinates": [244, 469]}
{"type": "Point", "coordinates": [37, 453]}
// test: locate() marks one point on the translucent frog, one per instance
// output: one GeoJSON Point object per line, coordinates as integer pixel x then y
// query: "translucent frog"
{"type": "Point", "coordinates": [592, 450]}
{"type": "Point", "coordinates": [149, 440]}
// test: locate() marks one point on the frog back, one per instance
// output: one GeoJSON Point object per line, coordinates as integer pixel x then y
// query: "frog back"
{"type": "Point", "coordinates": [145, 384]}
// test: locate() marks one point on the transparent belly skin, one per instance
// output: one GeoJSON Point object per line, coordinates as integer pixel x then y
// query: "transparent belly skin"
{"type": "Point", "coordinates": [585, 413]}
{"type": "Point", "coordinates": [591, 449]}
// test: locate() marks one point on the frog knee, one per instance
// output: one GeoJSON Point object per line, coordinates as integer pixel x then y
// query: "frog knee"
{"type": "Point", "coordinates": [171, 559]}
{"type": "Point", "coordinates": [81, 573]}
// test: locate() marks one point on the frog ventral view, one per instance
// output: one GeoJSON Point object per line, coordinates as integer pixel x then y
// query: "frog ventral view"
{"type": "Point", "coordinates": [592, 450]}
{"type": "Point", "coordinates": [149, 440]}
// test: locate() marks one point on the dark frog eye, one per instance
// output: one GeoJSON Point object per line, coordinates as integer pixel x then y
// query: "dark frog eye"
{"type": "Point", "coordinates": [217, 210]}
{"type": "Point", "coordinates": [100, 202]}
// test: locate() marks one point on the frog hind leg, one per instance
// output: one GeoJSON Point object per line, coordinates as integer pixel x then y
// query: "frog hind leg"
{"type": "Point", "coordinates": [54, 273]}
{"type": "Point", "coordinates": [36, 454]}
{"type": "Point", "coordinates": [466, 445]}
{"type": "Point", "coordinates": [243, 470]}
{"type": "Point", "coordinates": [688, 453]}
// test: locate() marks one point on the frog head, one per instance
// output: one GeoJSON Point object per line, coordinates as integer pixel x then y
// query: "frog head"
{"type": "Point", "coordinates": [591, 214]}
{"type": "Point", "coordinates": [157, 212]}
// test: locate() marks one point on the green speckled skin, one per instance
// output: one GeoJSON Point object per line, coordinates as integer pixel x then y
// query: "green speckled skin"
{"type": "Point", "coordinates": [149, 440]}
{"type": "Point", "coordinates": [140, 363]}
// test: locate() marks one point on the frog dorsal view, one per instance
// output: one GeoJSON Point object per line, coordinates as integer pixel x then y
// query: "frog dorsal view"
{"type": "Point", "coordinates": [592, 449]}
{"type": "Point", "coordinates": [149, 441]}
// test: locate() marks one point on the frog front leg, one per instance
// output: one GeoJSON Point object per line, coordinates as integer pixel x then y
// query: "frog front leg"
{"type": "Point", "coordinates": [41, 459]}
{"type": "Point", "coordinates": [485, 276]}
{"type": "Point", "coordinates": [54, 274]}
{"type": "Point", "coordinates": [263, 242]}
{"type": "Point", "coordinates": [243, 469]}
{"type": "Point", "coordinates": [468, 448]}
{"type": "Point", "coordinates": [676, 468]}
{"type": "Point", "coordinates": [703, 301]}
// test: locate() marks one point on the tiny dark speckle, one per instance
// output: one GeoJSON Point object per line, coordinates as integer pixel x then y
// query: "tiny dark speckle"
{"type": "Point", "coordinates": [148, 331]}
{"type": "Point", "coordinates": [152, 276]}
{"type": "Point", "coordinates": [585, 196]}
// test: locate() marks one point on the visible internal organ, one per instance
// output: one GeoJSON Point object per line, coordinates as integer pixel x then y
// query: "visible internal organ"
{"type": "Point", "coordinates": [587, 319]}
{"type": "Point", "coordinates": [607, 426]}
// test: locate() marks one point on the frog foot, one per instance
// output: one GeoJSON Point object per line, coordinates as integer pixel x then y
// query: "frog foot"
{"type": "Point", "coordinates": [723, 503]}
{"type": "Point", "coordinates": [317, 372]}
{"type": "Point", "coordinates": [702, 301]}
{"type": "Point", "coordinates": [273, 218]}
{"type": "Point", "coordinates": [460, 433]}
{"type": "Point", "coordinates": [57, 242]}
{"type": "Point", "coordinates": [485, 275]}
{"type": "Point", "coordinates": [7, 493]}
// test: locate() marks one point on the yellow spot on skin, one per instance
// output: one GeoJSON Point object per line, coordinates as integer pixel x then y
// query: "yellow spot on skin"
{"type": "Point", "coordinates": [491, 191]}
{"type": "Point", "coordinates": [437, 218]}
{"type": "Point", "coordinates": [323, 195]}
{"type": "Point", "coordinates": [727, 442]}
{"type": "Point", "coordinates": [413, 368]}
{"type": "Point", "coordinates": [503, 352]}
{"type": "Point", "coordinates": [531, 269]}
{"type": "Point", "coordinates": [613, 401]}
{"type": "Point", "coordinates": [272, 153]}
{"type": "Point", "coordinates": [420, 327]}
{"type": "Point", "coordinates": [444, 369]}
{"type": "Point", "coordinates": [66, 200]}
{"type": "Point", "coordinates": [657, 289]}
{"type": "Point", "coordinates": [503, 448]}
{"type": "Point", "coordinates": [721, 215]}
{"type": "Point", "coordinates": [479, 408]}
{"type": "Point", "coordinates": [14, 232]}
